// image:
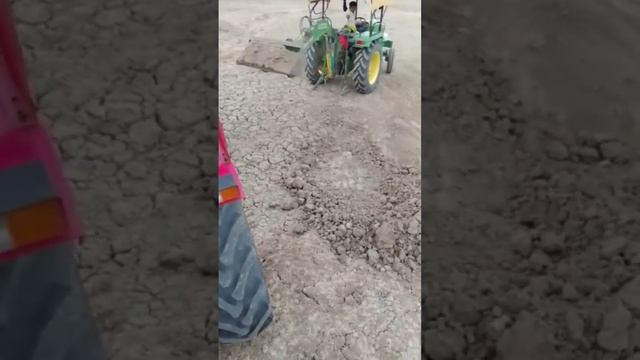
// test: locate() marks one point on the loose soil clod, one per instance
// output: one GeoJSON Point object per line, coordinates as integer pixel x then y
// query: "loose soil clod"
{"type": "Point", "coordinates": [532, 197]}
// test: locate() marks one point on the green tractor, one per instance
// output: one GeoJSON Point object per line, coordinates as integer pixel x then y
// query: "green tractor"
{"type": "Point", "coordinates": [354, 51]}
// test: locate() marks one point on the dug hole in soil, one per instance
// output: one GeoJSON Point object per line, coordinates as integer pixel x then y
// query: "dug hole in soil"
{"type": "Point", "coordinates": [333, 190]}
{"type": "Point", "coordinates": [531, 180]}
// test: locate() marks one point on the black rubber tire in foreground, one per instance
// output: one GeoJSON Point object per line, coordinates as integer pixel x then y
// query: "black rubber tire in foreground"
{"type": "Point", "coordinates": [313, 61]}
{"type": "Point", "coordinates": [44, 311]}
{"type": "Point", "coordinates": [243, 299]}
{"type": "Point", "coordinates": [361, 69]}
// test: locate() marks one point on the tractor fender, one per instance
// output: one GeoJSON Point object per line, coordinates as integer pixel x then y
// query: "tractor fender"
{"type": "Point", "coordinates": [32, 185]}
{"type": "Point", "coordinates": [45, 312]}
{"type": "Point", "coordinates": [321, 29]}
{"type": "Point", "coordinates": [243, 298]}
{"type": "Point", "coordinates": [230, 188]}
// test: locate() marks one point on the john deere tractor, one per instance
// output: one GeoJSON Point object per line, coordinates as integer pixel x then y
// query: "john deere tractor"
{"type": "Point", "coordinates": [355, 51]}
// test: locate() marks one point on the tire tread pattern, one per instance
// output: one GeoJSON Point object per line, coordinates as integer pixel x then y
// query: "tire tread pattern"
{"type": "Point", "coordinates": [313, 62]}
{"type": "Point", "coordinates": [244, 306]}
{"type": "Point", "coordinates": [361, 70]}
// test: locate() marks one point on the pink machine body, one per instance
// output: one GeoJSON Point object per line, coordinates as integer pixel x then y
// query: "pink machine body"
{"type": "Point", "coordinates": [24, 141]}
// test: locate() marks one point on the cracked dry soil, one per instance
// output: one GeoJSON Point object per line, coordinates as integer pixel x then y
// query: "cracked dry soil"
{"type": "Point", "coordinates": [127, 86]}
{"type": "Point", "coordinates": [333, 188]}
{"type": "Point", "coordinates": [531, 175]}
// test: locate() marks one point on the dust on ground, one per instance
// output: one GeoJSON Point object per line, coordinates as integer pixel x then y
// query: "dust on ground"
{"type": "Point", "coordinates": [532, 172]}
{"type": "Point", "coordinates": [127, 88]}
{"type": "Point", "coordinates": [333, 189]}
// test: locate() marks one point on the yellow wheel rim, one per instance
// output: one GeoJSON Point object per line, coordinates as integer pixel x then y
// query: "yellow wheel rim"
{"type": "Point", "coordinates": [374, 67]}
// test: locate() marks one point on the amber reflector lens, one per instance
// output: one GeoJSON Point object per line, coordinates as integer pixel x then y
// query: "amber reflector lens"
{"type": "Point", "coordinates": [231, 193]}
{"type": "Point", "coordinates": [35, 223]}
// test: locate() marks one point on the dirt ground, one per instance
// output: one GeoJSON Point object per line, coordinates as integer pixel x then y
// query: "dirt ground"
{"type": "Point", "coordinates": [127, 86]}
{"type": "Point", "coordinates": [531, 175]}
{"type": "Point", "coordinates": [333, 189]}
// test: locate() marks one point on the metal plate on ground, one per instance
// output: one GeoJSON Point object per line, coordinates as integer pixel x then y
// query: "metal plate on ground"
{"type": "Point", "coordinates": [271, 55]}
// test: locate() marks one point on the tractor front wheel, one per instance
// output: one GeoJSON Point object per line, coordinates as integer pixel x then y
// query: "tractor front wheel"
{"type": "Point", "coordinates": [313, 62]}
{"type": "Point", "coordinates": [390, 56]}
{"type": "Point", "coordinates": [366, 69]}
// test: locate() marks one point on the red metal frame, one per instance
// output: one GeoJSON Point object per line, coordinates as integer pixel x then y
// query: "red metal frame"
{"type": "Point", "coordinates": [23, 137]}
{"type": "Point", "coordinates": [226, 166]}
{"type": "Point", "coordinates": [16, 105]}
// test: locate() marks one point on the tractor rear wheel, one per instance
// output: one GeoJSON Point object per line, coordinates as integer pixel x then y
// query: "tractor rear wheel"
{"type": "Point", "coordinates": [313, 61]}
{"type": "Point", "coordinates": [366, 69]}
{"type": "Point", "coordinates": [390, 57]}
{"type": "Point", "coordinates": [243, 299]}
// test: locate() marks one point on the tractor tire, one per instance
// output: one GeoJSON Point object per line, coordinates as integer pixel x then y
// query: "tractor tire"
{"type": "Point", "coordinates": [366, 69]}
{"type": "Point", "coordinates": [390, 57]}
{"type": "Point", "coordinates": [243, 299]}
{"type": "Point", "coordinates": [45, 310]}
{"type": "Point", "coordinates": [313, 61]}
